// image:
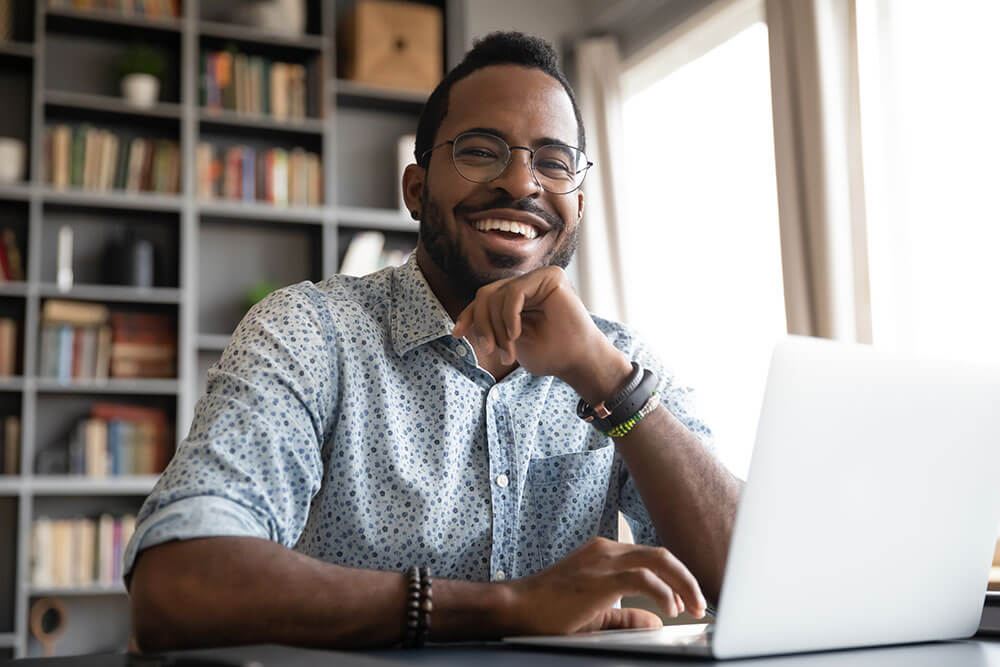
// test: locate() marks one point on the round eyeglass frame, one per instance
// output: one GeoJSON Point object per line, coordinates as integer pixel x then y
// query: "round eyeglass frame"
{"type": "Point", "coordinates": [510, 149]}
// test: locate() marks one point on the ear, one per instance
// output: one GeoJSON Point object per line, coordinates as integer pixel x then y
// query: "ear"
{"type": "Point", "coordinates": [579, 204]}
{"type": "Point", "coordinates": [413, 187]}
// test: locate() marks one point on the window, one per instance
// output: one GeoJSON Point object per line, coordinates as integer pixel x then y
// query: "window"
{"type": "Point", "coordinates": [703, 275]}
{"type": "Point", "coordinates": [930, 138]}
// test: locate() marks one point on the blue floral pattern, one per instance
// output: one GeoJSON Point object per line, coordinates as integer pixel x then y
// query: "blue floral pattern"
{"type": "Point", "coordinates": [345, 422]}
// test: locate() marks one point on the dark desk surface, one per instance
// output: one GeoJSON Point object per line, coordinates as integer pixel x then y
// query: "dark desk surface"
{"type": "Point", "coordinates": [983, 652]}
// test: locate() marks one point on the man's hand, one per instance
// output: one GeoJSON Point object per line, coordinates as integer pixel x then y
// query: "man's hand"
{"type": "Point", "coordinates": [576, 594]}
{"type": "Point", "coordinates": [538, 320]}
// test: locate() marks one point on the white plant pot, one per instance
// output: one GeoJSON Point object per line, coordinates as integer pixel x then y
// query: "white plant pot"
{"type": "Point", "coordinates": [12, 153]}
{"type": "Point", "coordinates": [141, 90]}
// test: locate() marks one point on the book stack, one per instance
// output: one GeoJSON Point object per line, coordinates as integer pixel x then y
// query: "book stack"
{"type": "Point", "coordinates": [239, 82]}
{"type": "Point", "coordinates": [79, 552]}
{"type": "Point", "coordinates": [8, 347]}
{"type": "Point", "coordinates": [143, 345]}
{"type": "Point", "coordinates": [91, 158]}
{"type": "Point", "coordinates": [11, 264]}
{"type": "Point", "coordinates": [75, 340]}
{"type": "Point", "coordinates": [149, 8]}
{"type": "Point", "coordinates": [10, 446]}
{"type": "Point", "coordinates": [120, 439]}
{"type": "Point", "coordinates": [276, 176]}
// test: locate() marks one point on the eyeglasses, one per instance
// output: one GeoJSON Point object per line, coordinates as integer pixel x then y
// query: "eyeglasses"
{"type": "Point", "coordinates": [481, 158]}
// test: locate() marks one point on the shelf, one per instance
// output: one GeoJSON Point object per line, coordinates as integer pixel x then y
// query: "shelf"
{"type": "Point", "coordinates": [70, 20]}
{"type": "Point", "coordinates": [75, 485]}
{"type": "Point", "coordinates": [311, 126]}
{"type": "Point", "coordinates": [11, 485]}
{"type": "Point", "coordinates": [13, 288]}
{"type": "Point", "coordinates": [75, 591]}
{"type": "Point", "coordinates": [17, 49]}
{"type": "Point", "coordinates": [140, 201]}
{"type": "Point", "coordinates": [213, 342]}
{"type": "Point", "coordinates": [107, 104]}
{"type": "Point", "coordinates": [261, 211]}
{"type": "Point", "coordinates": [164, 386]}
{"type": "Point", "coordinates": [113, 293]}
{"type": "Point", "coordinates": [11, 383]}
{"type": "Point", "coordinates": [255, 36]}
{"type": "Point", "coordinates": [19, 192]}
{"type": "Point", "coordinates": [384, 219]}
{"type": "Point", "coordinates": [352, 93]}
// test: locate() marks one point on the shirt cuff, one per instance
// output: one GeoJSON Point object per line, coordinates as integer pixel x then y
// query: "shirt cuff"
{"type": "Point", "coordinates": [199, 516]}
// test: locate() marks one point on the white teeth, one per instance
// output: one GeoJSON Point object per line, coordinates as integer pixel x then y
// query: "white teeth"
{"type": "Point", "coordinates": [527, 231]}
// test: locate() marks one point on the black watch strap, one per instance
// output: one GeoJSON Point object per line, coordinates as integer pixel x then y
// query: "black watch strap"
{"type": "Point", "coordinates": [598, 414]}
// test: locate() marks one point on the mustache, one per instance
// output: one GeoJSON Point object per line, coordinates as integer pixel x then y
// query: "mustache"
{"type": "Point", "coordinates": [526, 205]}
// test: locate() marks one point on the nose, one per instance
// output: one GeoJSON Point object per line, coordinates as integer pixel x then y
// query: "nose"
{"type": "Point", "coordinates": [517, 179]}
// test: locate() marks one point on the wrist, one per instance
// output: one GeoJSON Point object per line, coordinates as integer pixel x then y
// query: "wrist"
{"type": "Point", "coordinates": [600, 375]}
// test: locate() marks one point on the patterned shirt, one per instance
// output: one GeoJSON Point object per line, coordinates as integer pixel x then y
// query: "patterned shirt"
{"type": "Point", "coordinates": [345, 422]}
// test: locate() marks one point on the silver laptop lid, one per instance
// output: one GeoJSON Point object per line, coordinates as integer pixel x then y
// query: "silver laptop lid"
{"type": "Point", "coordinates": [872, 503]}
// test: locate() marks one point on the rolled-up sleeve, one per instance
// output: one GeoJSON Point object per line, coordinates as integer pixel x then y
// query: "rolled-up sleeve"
{"type": "Point", "coordinates": [251, 462]}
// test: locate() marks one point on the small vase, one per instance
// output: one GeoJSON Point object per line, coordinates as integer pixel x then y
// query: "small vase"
{"type": "Point", "coordinates": [12, 153]}
{"type": "Point", "coordinates": [141, 90]}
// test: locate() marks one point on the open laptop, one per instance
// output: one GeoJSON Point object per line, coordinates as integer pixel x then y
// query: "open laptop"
{"type": "Point", "coordinates": [869, 515]}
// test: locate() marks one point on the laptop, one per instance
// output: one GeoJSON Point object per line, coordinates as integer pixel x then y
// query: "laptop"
{"type": "Point", "coordinates": [869, 516]}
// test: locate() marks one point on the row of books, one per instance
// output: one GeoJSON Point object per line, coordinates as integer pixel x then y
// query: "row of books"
{"type": "Point", "coordinates": [120, 439]}
{"type": "Point", "coordinates": [8, 346]}
{"type": "Point", "coordinates": [79, 552]}
{"type": "Point", "coordinates": [87, 340]}
{"type": "Point", "coordinates": [84, 156]}
{"type": "Point", "coordinates": [254, 84]}
{"type": "Point", "coordinates": [11, 264]}
{"type": "Point", "coordinates": [276, 175]}
{"type": "Point", "coordinates": [150, 8]}
{"type": "Point", "coordinates": [10, 445]}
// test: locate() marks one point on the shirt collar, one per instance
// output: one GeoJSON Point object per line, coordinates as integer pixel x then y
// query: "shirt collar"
{"type": "Point", "coordinates": [417, 315]}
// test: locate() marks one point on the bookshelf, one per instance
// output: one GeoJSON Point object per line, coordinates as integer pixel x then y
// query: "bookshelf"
{"type": "Point", "coordinates": [213, 250]}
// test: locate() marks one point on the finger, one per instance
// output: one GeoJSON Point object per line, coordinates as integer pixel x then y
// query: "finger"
{"type": "Point", "coordinates": [669, 568]}
{"type": "Point", "coordinates": [462, 323]}
{"type": "Point", "coordinates": [643, 581]}
{"type": "Point", "coordinates": [499, 329]}
{"type": "Point", "coordinates": [482, 324]}
{"type": "Point", "coordinates": [512, 307]}
{"type": "Point", "coordinates": [624, 619]}
{"type": "Point", "coordinates": [680, 602]}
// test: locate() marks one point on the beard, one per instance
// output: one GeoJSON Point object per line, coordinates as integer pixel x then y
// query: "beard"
{"type": "Point", "coordinates": [452, 258]}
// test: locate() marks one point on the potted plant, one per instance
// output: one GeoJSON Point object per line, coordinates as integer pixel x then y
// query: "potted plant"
{"type": "Point", "coordinates": [140, 69]}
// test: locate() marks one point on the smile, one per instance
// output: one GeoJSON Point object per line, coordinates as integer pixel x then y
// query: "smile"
{"type": "Point", "coordinates": [509, 226]}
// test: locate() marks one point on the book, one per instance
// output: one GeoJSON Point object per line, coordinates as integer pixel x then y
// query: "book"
{"type": "Point", "coordinates": [8, 346]}
{"type": "Point", "coordinates": [13, 252]}
{"type": "Point", "coordinates": [11, 445]}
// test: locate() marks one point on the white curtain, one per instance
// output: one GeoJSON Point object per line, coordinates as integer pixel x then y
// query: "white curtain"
{"type": "Point", "coordinates": [600, 276]}
{"type": "Point", "coordinates": [814, 91]}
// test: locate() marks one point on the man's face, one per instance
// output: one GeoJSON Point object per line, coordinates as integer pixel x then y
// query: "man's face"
{"type": "Point", "coordinates": [525, 107]}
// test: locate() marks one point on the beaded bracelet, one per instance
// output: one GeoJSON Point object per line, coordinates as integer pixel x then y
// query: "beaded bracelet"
{"type": "Point", "coordinates": [419, 605]}
{"type": "Point", "coordinates": [626, 426]}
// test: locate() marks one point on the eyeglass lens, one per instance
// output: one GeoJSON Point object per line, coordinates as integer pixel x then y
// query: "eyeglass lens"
{"type": "Point", "coordinates": [483, 157]}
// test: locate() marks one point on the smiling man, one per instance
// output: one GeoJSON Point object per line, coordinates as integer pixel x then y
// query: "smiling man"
{"type": "Point", "coordinates": [440, 450]}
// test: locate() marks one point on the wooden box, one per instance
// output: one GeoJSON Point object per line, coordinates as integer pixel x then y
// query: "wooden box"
{"type": "Point", "coordinates": [392, 44]}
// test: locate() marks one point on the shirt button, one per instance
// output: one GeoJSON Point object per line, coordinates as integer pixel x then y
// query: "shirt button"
{"type": "Point", "coordinates": [502, 480]}
{"type": "Point", "coordinates": [461, 351]}
{"type": "Point", "coordinates": [500, 575]}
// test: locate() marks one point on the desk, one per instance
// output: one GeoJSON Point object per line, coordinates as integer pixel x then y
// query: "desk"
{"type": "Point", "coordinates": [972, 653]}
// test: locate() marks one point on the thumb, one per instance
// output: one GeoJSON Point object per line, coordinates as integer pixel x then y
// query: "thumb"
{"type": "Point", "coordinates": [624, 619]}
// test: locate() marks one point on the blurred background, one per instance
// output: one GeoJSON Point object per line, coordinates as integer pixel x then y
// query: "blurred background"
{"type": "Point", "coordinates": [819, 167]}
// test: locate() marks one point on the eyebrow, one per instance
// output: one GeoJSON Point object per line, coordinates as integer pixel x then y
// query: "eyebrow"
{"type": "Point", "coordinates": [541, 141]}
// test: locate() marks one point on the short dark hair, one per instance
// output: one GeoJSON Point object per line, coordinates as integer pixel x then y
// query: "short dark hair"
{"type": "Point", "coordinates": [497, 48]}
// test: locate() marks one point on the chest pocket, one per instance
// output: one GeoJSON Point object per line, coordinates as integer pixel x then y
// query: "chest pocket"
{"type": "Point", "coordinates": [563, 501]}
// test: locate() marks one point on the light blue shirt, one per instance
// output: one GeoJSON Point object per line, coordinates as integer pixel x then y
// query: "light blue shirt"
{"type": "Point", "coordinates": [345, 422]}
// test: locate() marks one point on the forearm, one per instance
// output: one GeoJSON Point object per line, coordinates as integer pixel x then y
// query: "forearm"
{"type": "Point", "coordinates": [235, 590]}
{"type": "Point", "coordinates": [690, 496]}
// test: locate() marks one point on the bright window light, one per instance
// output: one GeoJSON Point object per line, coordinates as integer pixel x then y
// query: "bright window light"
{"type": "Point", "coordinates": [703, 254]}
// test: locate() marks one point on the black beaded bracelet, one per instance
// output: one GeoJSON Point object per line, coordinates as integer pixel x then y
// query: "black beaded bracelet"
{"type": "Point", "coordinates": [419, 605]}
